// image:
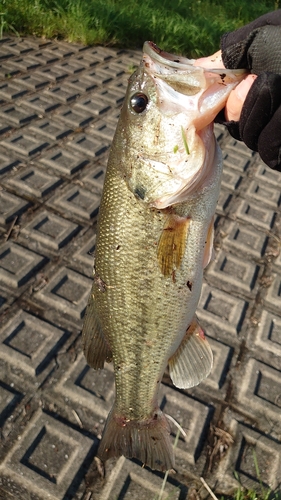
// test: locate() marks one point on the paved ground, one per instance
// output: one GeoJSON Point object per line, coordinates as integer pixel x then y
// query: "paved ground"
{"type": "Point", "coordinates": [58, 111]}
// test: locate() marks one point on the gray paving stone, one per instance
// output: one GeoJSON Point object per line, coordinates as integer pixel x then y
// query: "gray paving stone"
{"type": "Point", "coordinates": [230, 179]}
{"type": "Point", "coordinates": [256, 214]}
{"type": "Point", "coordinates": [18, 264]}
{"type": "Point", "coordinates": [88, 388]}
{"type": "Point", "coordinates": [70, 67]}
{"type": "Point", "coordinates": [62, 93]}
{"type": "Point", "coordinates": [273, 293]}
{"type": "Point", "coordinates": [74, 118]}
{"type": "Point", "coordinates": [221, 311]}
{"type": "Point", "coordinates": [76, 201]}
{"type": "Point", "coordinates": [63, 161]}
{"type": "Point", "coordinates": [224, 201]}
{"type": "Point", "coordinates": [81, 83]}
{"type": "Point", "coordinates": [11, 206]}
{"type": "Point", "coordinates": [29, 343]}
{"type": "Point", "coordinates": [113, 96]}
{"type": "Point", "coordinates": [94, 105]}
{"type": "Point", "coordinates": [50, 230]}
{"type": "Point", "coordinates": [85, 142]}
{"type": "Point", "coordinates": [94, 178]}
{"type": "Point", "coordinates": [264, 194]}
{"type": "Point", "coordinates": [85, 255]}
{"type": "Point", "coordinates": [26, 145]}
{"type": "Point", "coordinates": [129, 481]}
{"type": "Point", "coordinates": [66, 291]}
{"type": "Point", "coordinates": [260, 385]}
{"type": "Point", "coordinates": [10, 90]}
{"type": "Point", "coordinates": [17, 115]}
{"type": "Point", "coordinates": [40, 104]}
{"type": "Point", "coordinates": [267, 333]}
{"type": "Point", "coordinates": [6, 164]}
{"type": "Point", "coordinates": [21, 46]}
{"type": "Point", "coordinates": [21, 64]}
{"type": "Point", "coordinates": [233, 160]}
{"type": "Point", "coordinates": [103, 129]}
{"type": "Point", "coordinates": [34, 182]}
{"type": "Point", "coordinates": [232, 273]}
{"type": "Point", "coordinates": [250, 447]}
{"type": "Point", "coordinates": [267, 175]}
{"type": "Point", "coordinates": [49, 129]}
{"type": "Point", "coordinates": [52, 73]}
{"type": "Point", "coordinates": [9, 398]}
{"type": "Point", "coordinates": [47, 457]}
{"type": "Point", "coordinates": [33, 81]}
{"type": "Point", "coordinates": [244, 238]}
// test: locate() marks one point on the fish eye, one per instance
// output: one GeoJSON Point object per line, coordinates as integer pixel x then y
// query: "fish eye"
{"type": "Point", "coordinates": [138, 102]}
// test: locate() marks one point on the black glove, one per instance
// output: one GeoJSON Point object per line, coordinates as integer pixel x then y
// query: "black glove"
{"type": "Point", "coordinates": [257, 47]}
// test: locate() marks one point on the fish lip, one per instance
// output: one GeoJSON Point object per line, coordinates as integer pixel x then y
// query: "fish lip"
{"type": "Point", "coordinates": [182, 63]}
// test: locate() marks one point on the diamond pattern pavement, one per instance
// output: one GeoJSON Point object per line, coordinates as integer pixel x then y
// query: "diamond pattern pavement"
{"type": "Point", "coordinates": [59, 105]}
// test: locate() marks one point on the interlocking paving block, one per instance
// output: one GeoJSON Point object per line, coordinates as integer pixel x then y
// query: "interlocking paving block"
{"type": "Point", "coordinates": [67, 291]}
{"type": "Point", "coordinates": [233, 273]}
{"type": "Point", "coordinates": [10, 90]}
{"type": "Point", "coordinates": [230, 178]}
{"type": "Point", "coordinates": [33, 81]}
{"type": "Point", "coordinates": [34, 181]}
{"type": "Point", "coordinates": [256, 214]}
{"type": "Point", "coordinates": [17, 115]}
{"type": "Point", "coordinates": [98, 53]}
{"type": "Point", "coordinates": [223, 202]}
{"type": "Point", "coordinates": [264, 174]}
{"type": "Point", "coordinates": [24, 144]}
{"type": "Point", "coordinates": [50, 129]}
{"type": "Point", "coordinates": [21, 46]}
{"type": "Point", "coordinates": [46, 56]}
{"type": "Point", "coordinates": [22, 64]}
{"type": "Point", "coordinates": [64, 161]}
{"type": "Point", "coordinates": [29, 343]}
{"type": "Point", "coordinates": [233, 159]}
{"type": "Point", "coordinates": [74, 118]}
{"type": "Point", "coordinates": [114, 96]}
{"type": "Point", "coordinates": [85, 142]}
{"type": "Point", "coordinates": [95, 178]}
{"type": "Point", "coordinates": [70, 67]}
{"type": "Point", "coordinates": [267, 333]}
{"type": "Point", "coordinates": [7, 164]}
{"type": "Point", "coordinates": [94, 105]}
{"type": "Point", "coordinates": [51, 230]}
{"type": "Point", "coordinates": [18, 264]}
{"type": "Point", "coordinates": [52, 73]}
{"type": "Point", "coordinates": [250, 448]}
{"type": "Point", "coordinates": [4, 127]}
{"type": "Point", "coordinates": [81, 84]}
{"type": "Point", "coordinates": [85, 255]}
{"type": "Point", "coordinates": [244, 238]}
{"type": "Point", "coordinates": [103, 129]}
{"type": "Point", "coordinates": [221, 311]}
{"type": "Point", "coordinates": [47, 457]}
{"type": "Point", "coordinates": [9, 398]}
{"type": "Point", "coordinates": [130, 481]}
{"type": "Point", "coordinates": [100, 76]}
{"type": "Point", "coordinates": [62, 93]}
{"type": "Point", "coordinates": [93, 389]}
{"type": "Point", "coordinates": [77, 201]}
{"type": "Point", "coordinates": [222, 356]}
{"type": "Point", "coordinates": [194, 417]}
{"type": "Point", "coordinates": [264, 193]}
{"type": "Point", "coordinates": [273, 295]}
{"type": "Point", "coordinates": [260, 385]}
{"type": "Point", "coordinates": [11, 206]}
{"type": "Point", "coordinates": [40, 104]}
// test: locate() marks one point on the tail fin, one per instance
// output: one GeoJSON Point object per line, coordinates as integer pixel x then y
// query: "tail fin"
{"type": "Point", "coordinates": [147, 440]}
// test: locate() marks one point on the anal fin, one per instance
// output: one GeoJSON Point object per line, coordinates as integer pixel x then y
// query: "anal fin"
{"type": "Point", "coordinates": [193, 360]}
{"type": "Point", "coordinates": [96, 349]}
{"type": "Point", "coordinates": [172, 243]}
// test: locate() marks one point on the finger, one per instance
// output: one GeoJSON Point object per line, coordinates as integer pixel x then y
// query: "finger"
{"type": "Point", "coordinates": [237, 97]}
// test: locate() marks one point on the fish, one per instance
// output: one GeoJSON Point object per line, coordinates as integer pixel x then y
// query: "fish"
{"type": "Point", "coordinates": [154, 239]}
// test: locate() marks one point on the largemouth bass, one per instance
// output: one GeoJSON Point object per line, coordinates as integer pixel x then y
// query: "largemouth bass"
{"type": "Point", "coordinates": [155, 236]}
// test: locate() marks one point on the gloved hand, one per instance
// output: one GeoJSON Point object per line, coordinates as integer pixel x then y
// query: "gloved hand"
{"type": "Point", "coordinates": [257, 47]}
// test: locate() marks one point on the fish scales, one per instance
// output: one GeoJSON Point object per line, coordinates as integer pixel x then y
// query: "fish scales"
{"type": "Point", "coordinates": [154, 239]}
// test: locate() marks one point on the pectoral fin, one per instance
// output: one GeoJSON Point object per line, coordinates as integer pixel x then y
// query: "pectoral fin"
{"type": "Point", "coordinates": [209, 246]}
{"type": "Point", "coordinates": [193, 360]}
{"type": "Point", "coordinates": [172, 243]}
{"type": "Point", "coordinates": [95, 346]}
